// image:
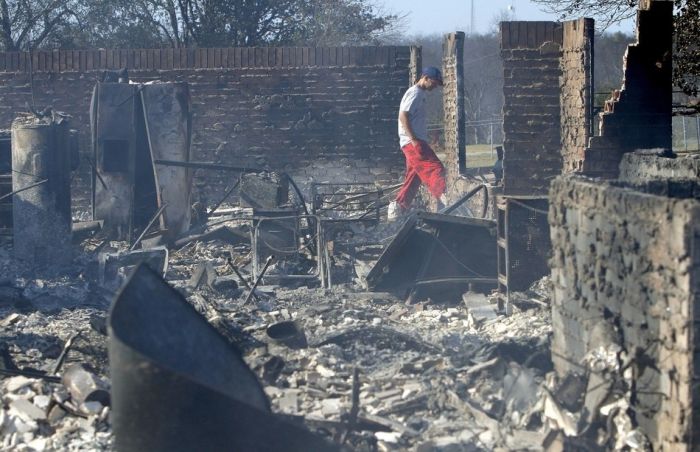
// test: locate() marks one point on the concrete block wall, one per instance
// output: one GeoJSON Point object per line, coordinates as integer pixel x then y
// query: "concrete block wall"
{"type": "Point", "coordinates": [531, 53]}
{"type": "Point", "coordinates": [640, 116]}
{"type": "Point", "coordinates": [322, 114]}
{"type": "Point", "coordinates": [629, 258]}
{"type": "Point", "coordinates": [576, 91]}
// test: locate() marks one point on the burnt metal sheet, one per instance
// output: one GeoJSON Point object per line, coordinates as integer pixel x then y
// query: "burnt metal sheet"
{"type": "Point", "coordinates": [178, 385]}
{"type": "Point", "coordinates": [433, 250]}
{"type": "Point", "coordinates": [113, 119]}
{"type": "Point", "coordinates": [166, 111]}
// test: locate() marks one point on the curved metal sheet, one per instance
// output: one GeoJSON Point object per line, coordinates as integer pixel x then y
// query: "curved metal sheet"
{"type": "Point", "coordinates": [177, 384]}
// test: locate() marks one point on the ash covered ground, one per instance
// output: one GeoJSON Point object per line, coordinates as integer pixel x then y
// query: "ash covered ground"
{"type": "Point", "coordinates": [431, 376]}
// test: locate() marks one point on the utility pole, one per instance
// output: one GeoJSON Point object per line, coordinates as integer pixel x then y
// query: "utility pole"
{"type": "Point", "coordinates": [471, 20]}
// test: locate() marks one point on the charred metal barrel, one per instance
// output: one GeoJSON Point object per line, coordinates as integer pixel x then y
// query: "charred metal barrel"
{"type": "Point", "coordinates": [178, 385]}
{"type": "Point", "coordinates": [42, 214]}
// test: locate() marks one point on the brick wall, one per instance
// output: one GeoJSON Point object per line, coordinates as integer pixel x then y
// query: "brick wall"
{"type": "Point", "coordinates": [640, 117]}
{"type": "Point", "coordinates": [576, 91]}
{"type": "Point", "coordinates": [327, 114]}
{"type": "Point", "coordinates": [531, 53]}
{"type": "Point", "coordinates": [628, 258]}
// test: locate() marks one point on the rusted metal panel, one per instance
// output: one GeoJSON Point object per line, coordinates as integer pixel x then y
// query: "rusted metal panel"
{"type": "Point", "coordinates": [114, 147]}
{"type": "Point", "coordinates": [166, 110]}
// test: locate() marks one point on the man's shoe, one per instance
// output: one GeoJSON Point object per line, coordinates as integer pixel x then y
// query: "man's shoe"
{"type": "Point", "coordinates": [394, 211]}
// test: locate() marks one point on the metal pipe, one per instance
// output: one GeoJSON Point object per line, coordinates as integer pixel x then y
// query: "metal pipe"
{"type": "Point", "coordinates": [30, 374]}
{"type": "Point", "coordinates": [23, 189]}
{"type": "Point", "coordinates": [148, 226]}
{"type": "Point", "coordinates": [463, 199]}
{"type": "Point", "coordinates": [259, 278]}
{"type": "Point", "coordinates": [235, 270]}
{"type": "Point", "coordinates": [64, 353]}
{"type": "Point", "coordinates": [226, 195]}
{"type": "Point", "coordinates": [207, 165]}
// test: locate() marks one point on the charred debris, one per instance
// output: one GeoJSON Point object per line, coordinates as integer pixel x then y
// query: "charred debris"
{"type": "Point", "coordinates": [267, 321]}
{"type": "Point", "coordinates": [287, 313]}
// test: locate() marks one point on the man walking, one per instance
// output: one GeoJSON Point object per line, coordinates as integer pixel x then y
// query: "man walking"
{"type": "Point", "coordinates": [422, 165]}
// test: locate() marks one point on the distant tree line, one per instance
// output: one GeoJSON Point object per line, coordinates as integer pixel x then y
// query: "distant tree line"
{"type": "Point", "coordinates": [190, 23]}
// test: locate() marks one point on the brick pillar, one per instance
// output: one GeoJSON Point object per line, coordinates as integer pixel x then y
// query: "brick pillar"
{"type": "Point", "coordinates": [531, 53]}
{"type": "Point", "coordinates": [453, 99]}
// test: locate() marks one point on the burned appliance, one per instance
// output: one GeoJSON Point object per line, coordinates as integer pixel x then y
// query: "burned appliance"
{"type": "Point", "coordinates": [132, 126]}
{"type": "Point", "coordinates": [437, 256]}
{"type": "Point", "coordinates": [41, 204]}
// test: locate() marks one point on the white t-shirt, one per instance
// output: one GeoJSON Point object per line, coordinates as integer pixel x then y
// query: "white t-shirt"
{"type": "Point", "coordinates": [413, 102]}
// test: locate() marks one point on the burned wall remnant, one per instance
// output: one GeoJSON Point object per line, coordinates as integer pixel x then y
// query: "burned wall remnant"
{"type": "Point", "coordinates": [638, 116]}
{"type": "Point", "coordinates": [41, 206]}
{"type": "Point", "coordinates": [323, 113]}
{"type": "Point", "coordinates": [454, 114]}
{"type": "Point", "coordinates": [644, 166]}
{"type": "Point", "coordinates": [531, 53]}
{"type": "Point", "coordinates": [627, 258]}
{"type": "Point", "coordinates": [141, 142]}
{"type": "Point", "coordinates": [576, 91]}
{"type": "Point", "coordinates": [453, 98]}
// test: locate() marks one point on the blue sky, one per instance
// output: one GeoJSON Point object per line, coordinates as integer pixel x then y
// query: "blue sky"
{"type": "Point", "coordinates": [444, 16]}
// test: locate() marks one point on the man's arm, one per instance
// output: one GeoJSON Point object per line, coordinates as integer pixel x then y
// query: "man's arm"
{"type": "Point", "coordinates": [406, 124]}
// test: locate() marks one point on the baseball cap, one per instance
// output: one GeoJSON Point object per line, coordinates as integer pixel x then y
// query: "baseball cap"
{"type": "Point", "coordinates": [432, 72]}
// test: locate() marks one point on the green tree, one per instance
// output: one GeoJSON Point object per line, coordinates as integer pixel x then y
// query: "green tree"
{"type": "Point", "coordinates": [32, 22]}
{"type": "Point", "coordinates": [348, 22]}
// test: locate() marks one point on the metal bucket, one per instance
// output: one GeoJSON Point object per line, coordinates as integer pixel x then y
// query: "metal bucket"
{"type": "Point", "coordinates": [288, 333]}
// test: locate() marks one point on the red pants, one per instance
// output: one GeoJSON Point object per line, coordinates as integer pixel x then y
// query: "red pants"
{"type": "Point", "coordinates": [422, 165]}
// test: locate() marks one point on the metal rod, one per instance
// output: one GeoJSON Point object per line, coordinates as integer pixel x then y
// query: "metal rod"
{"type": "Point", "coordinates": [454, 280]}
{"type": "Point", "coordinates": [229, 261]}
{"type": "Point", "coordinates": [260, 277]}
{"type": "Point", "coordinates": [97, 173]}
{"type": "Point", "coordinates": [64, 353]}
{"type": "Point", "coordinates": [207, 165]}
{"type": "Point", "coordinates": [23, 189]}
{"type": "Point", "coordinates": [148, 226]}
{"type": "Point", "coordinates": [228, 193]}
{"type": "Point", "coordinates": [463, 199]}
{"type": "Point", "coordinates": [30, 374]}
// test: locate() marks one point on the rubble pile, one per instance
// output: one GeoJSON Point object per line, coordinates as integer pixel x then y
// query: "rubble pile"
{"type": "Point", "coordinates": [362, 368]}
